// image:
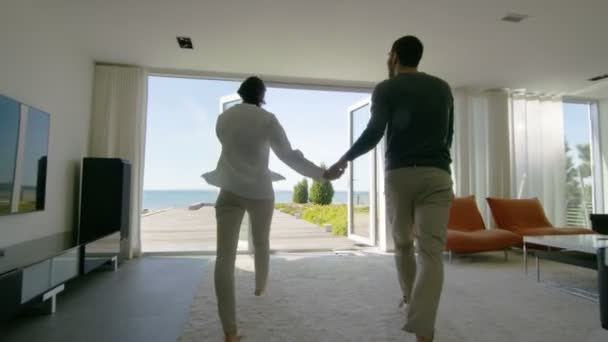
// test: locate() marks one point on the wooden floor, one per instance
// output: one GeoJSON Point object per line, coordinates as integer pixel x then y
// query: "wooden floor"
{"type": "Point", "coordinates": [183, 230]}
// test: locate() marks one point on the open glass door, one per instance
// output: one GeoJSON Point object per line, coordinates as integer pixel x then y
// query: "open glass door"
{"type": "Point", "coordinates": [362, 181]}
{"type": "Point", "coordinates": [245, 241]}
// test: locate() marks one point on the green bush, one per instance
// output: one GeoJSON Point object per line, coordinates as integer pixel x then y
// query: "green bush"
{"type": "Point", "coordinates": [321, 192]}
{"type": "Point", "coordinates": [300, 192]}
{"type": "Point", "coordinates": [362, 209]}
{"type": "Point", "coordinates": [336, 215]}
{"type": "Point", "coordinates": [285, 208]}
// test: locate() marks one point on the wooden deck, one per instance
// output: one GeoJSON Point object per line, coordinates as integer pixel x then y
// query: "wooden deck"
{"type": "Point", "coordinates": [183, 230]}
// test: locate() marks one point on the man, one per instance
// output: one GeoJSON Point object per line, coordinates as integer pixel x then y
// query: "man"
{"type": "Point", "coordinates": [416, 111]}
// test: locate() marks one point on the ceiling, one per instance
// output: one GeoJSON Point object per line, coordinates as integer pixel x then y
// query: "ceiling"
{"type": "Point", "coordinates": [556, 49]}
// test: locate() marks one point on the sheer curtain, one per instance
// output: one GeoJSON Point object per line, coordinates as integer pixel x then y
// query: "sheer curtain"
{"type": "Point", "coordinates": [537, 140]}
{"type": "Point", "coordinates": [603, 150]}
{"type": "Point", "coordinates": [118, 131]}
{"type": "Point", "coordinates": [481, 146]}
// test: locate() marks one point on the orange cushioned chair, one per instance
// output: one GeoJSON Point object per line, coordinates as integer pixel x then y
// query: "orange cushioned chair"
{"type": "Point", "coordinates": [468, 234]}
{"type": "Point", "coordinates": [526, 217]}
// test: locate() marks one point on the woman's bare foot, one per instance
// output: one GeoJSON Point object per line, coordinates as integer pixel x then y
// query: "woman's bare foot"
{"type": "Point", "coordinates": [232, 338]}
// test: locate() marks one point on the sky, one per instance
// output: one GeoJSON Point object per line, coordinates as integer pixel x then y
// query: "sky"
{"type": "Point", "coordinates": [9, 131]}
{"type": "Point", "coordinates": [181, 143]}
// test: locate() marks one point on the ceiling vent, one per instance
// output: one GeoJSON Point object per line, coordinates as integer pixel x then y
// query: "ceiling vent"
{"type": "Point", "coordinates": [185, 42]}
{"type": "Point", "coordinates": [514, 18]}
{"type": "Point", "coordinates": [597, 78]}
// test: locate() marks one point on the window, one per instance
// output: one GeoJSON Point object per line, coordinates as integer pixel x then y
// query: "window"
{"type": "Point", "coordinates": [580, 146]}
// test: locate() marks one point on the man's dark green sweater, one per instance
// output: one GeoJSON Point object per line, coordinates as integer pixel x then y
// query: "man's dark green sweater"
{"type": "Point", "coordinates": [416, 110]}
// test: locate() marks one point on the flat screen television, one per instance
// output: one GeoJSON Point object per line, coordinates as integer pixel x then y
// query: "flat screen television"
{"type": "Point", "coordinates": [24, 140]}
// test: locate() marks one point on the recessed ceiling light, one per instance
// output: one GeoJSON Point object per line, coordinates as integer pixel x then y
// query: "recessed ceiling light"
{"type": "Point", "coordinates": [597, 78]}
{"type": "Point", "coordinates": [514, 18]}
{"type": "Point", "coordinates": [185, 42]}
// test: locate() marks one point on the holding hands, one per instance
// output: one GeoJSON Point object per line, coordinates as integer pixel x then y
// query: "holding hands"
{"type": "Point", "coordinates": [336, 171]}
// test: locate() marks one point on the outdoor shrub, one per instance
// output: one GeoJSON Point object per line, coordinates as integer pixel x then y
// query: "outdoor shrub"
{"type": "Point", "coordinates": [321, 192]}
{"type": "Point", "coordinates": [336, 215]}
{"type": "Point", "coordinates": [284, 208]}
{"type": "Point", "coordinates": [300, 192]}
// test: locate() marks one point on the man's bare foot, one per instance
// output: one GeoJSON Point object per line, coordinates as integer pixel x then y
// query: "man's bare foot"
{"type": "Point", "coordinates": [259, 292]}
{"type": "Point", "coordinates": [232, 338]}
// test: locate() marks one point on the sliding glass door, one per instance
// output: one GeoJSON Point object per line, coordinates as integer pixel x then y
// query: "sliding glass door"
{"type": "Point", "coordinates": [362, 181]}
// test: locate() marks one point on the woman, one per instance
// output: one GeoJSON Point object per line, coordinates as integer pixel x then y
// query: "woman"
{"type": "Point", "coordinates": [247, 133]}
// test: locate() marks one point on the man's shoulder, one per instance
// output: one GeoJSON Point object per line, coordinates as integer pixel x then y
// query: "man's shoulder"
{"type": "Point", "coordinates": [384, 86]}
{"type": "Point", "coordinates": [437, 80]}
{"type": "Point", "coordinates": [420, 77]}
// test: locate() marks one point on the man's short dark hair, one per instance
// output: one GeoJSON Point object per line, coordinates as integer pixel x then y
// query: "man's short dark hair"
{"type": "Point", "coordinates": [409, 50]}
{"type": "Point", "coordinates": [252, 90]}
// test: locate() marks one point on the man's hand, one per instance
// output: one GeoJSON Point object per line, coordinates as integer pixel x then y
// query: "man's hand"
{"type": "Point", "coordinates": [335, 171]}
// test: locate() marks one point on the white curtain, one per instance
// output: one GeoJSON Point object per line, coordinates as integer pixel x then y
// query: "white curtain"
{"type": "Point", "coordinates": [481, 146]}
{"type": "Point", "coordinates": [603, 150]}
{"type": "Point", "coordinates": [118, 131]}
{"type": "Point", "coordinates": [537, 128]}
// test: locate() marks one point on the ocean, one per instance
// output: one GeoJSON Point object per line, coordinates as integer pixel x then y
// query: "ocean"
{"type": "Point", "coordinates": [160, 199]}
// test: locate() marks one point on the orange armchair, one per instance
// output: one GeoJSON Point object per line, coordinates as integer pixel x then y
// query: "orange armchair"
{"type": "Point", "coordinates": [467, 232]}
{"type": "Point", "coordinates": [526, 217]}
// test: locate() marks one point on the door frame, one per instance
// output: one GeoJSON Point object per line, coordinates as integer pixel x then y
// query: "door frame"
{"type": "Point", "coordinates": [384, 240]}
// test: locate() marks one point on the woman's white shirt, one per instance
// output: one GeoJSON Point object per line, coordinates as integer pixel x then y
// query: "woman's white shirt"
{"type": "Point", "coordinates": [247, 133]}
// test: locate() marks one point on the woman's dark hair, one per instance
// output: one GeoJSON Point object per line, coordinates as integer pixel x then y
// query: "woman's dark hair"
{"type": "Point", "coordinates": [409, 50]}
{"type": "Point", "coordinates": [252, 91]}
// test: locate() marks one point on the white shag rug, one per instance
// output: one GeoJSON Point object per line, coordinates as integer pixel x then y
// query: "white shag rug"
{"type": "Point", "coordinates": [355, 298]}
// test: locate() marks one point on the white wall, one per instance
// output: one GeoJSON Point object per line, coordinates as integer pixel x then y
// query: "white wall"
{"type": "Point", "coordinates": [40, 66]}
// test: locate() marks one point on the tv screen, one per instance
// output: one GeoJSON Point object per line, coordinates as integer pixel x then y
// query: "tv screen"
{"type": "Point", "coordinates": [10, 112]}
{"type": "Point", "coordinates": [24, 138]}
{"type": "Point", "coordinates": [33, 170]}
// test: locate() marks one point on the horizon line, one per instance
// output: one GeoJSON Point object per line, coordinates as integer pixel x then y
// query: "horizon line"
{"type": "Point", "coordinates": [217, 189]}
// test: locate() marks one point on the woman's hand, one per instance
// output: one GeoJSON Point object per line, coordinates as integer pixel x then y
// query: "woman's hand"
{"type": "Point", "coordinates": [336, 171]}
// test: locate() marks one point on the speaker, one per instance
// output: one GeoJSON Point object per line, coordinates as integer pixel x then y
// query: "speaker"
{"type": "Point", "coordinates": [599, 223]}
{"type": "Point", "coordinates": [105, 199]}
{"type": "Point", "coordinates": [10, 293]}
{"type": "Point", "coordinates": [602, 274]}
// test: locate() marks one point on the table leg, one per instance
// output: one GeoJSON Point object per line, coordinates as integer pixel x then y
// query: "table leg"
{"type": "Point", "coordinates": [525, 260]}
{"type": "Point", "coordinates": [537, 269]}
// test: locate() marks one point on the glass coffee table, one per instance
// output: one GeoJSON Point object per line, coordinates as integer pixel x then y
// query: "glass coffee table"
{"type": "Point", "coordinates": [577, 250]}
